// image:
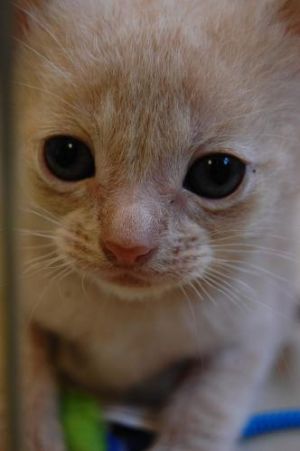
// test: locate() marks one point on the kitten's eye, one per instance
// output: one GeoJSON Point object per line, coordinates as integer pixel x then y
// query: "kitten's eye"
{"type": "Point", "coordinates": [69, 158]}
{"type": "Point", "coordinates": [215, 176]}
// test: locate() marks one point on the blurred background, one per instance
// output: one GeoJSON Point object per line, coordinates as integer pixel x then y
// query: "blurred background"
{"type": "Point", "coordinates": [8, 271]}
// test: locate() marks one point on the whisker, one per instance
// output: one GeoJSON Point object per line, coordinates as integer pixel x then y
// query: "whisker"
{"type": "Point", "coordinates": [251, 300]}
{"type": "Point", "coordinates": [83, 287]}
{"type": "Point", "coordinates": [40, 258]}
{"type": "Point", "coordinates": [42, 215]}
{"type": "Point", "coordinates": [192, 312]}
{"type": "Point", "coordinates": [256, 272]}
{"type": "Point", "coordinates": [37, 247]}
{"type": "Point", "coordinates": [44, 266]}
{"type": "Point", "coordinates": [35, 233]}
{"type": "Point", "coordinates": [247, 235]}
{"type": "Point", "coordinates": [206, 292]}
{"type": "Point", "coordinates": [228, 291]}
{"type": "Point", "coordinates": [235, 264]}
{"type": "Point", "coordinates": [223, 276]}
{"type": "Point", "coordinates": [248, 249]}
{"type": "Point", "coordinates": [58, 277]}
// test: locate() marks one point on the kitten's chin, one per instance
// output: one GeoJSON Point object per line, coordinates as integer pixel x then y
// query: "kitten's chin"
{"type": "Point", "coordinates": [131, 286]}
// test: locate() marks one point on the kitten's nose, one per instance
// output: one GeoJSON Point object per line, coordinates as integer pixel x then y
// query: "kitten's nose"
{"type": "Point", "coordinates": [127, 255]}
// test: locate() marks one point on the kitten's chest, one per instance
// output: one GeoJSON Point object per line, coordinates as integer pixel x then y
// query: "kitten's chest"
{"type": "Point", "coordinates": [127, 358]}
{"type": "Point", "coordinates": [117, 344]}
{"type": "Point", "coordinates": [119, 353]}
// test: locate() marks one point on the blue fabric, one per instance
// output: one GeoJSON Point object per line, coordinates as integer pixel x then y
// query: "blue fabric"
{"type": "Point", "coordinates": [125, 439]}
{"type": "Point", "coordinates": [114, 444]}
{"type": "Point", "coordinates": [122, 438]}
{"type": "Point", "coordinates": [265, 423]}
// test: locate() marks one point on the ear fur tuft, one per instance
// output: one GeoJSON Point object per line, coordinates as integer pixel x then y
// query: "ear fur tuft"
{"type": "Point", "coordinates": [290, 13]}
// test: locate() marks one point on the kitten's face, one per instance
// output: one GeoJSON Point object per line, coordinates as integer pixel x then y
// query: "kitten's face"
{"type": "Point", "coordinates": [153, 136]}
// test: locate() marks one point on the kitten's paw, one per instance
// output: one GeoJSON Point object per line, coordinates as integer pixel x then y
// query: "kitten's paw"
{"type": "Point", "coordinates": [174, 447]}
{"type": "Point", "coordinates": [190, 445]}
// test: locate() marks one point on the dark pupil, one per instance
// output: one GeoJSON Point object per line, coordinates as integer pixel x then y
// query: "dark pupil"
{"type": "Point", "coordinates": [66, 155]}
{"type": "Point", "coordinates": [219, 169]}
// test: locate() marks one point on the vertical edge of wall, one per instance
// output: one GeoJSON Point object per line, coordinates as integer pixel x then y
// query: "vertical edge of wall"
{"type": "Point", "coordinates": [8, 309]}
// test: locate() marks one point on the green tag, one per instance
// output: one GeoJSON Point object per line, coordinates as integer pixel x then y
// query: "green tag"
{"type": "Point", "coordinates": [82, 423]}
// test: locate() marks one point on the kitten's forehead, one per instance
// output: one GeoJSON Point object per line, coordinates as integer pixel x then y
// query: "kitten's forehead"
{"type": "Point", "coordinates": [152, 78]}
{"type": "Point", "coordinates": [144, 42]}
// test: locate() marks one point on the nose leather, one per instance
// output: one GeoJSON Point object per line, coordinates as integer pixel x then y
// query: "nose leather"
{"type": "Point", "coordinates": [127, 255]}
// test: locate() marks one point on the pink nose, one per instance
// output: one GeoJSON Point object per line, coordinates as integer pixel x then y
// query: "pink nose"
{"type": "Point", "coordinates": [127, 255]}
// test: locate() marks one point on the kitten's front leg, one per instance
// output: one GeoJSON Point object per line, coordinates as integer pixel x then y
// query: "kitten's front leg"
{"type": "Point", "coordinates": [40, 422]}
{"type": "Point", "coordinates": [211, 407]}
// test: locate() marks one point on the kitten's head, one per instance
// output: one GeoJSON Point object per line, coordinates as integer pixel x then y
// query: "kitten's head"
{"type": "Point", "coordinates": [157, 133]}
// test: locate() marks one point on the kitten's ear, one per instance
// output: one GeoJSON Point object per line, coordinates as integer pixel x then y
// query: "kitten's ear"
{"type": "Point", "coordinates": [23, 10]}
{"type": "Point", "coordinates": [289, 11]}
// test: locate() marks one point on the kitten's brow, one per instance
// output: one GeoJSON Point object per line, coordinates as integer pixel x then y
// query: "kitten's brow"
{"type": "Point", "coordinates": [54, 95]}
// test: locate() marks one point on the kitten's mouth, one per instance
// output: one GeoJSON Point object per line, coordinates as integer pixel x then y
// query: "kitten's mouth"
{"type": "Point", "coordinates": [126, 284]}
{"type": "Point", "coordinates": [127, 279]}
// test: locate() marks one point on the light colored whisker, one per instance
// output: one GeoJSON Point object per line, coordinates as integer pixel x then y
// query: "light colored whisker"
{"type": "Point", "coordinates": [58, 276]}
{"type": "Point", "coordinates": [192, 313]}
{"type": "Point", "coordinates": [37, 247]}
{"type": "Point", "coordinates": [35, 233]}
{"type": "Point", "coordinates": [235, 265]}
{"type": "Point", "coordinates": [281, 282]}
{"type": "Point", "coordinates": [221, 289]}
{"type": "Point", "coordinates": [206, 292]}
{"type": "Point", "coordinates": [229, 291]}
{"type": "Point", "coordinates": [83, 287]}
{"type": "Point", "coordinates": [246, 250]}
{"type": "Point", "coordinates": [254, 300]}
{"type": "Point", "coordinates": [40, 258]}
{"type": "Point", "coordinates": [42, 215]}
{"type": "Point", "coordinates": [223, 276]}
{"type": "Point", "coordinates": [45, 266]}
{"type": "Point", "coordinates": [247, 235]}
{"type": "Point", "coordinates": [44, 210]}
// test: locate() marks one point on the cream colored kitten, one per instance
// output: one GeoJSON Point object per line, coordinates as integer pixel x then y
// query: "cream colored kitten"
{"type": "Point", "coordinates": [159, 142]}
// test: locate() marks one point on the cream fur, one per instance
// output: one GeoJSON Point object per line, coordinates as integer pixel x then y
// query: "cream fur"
{"type": "Point", "coordinates": [151, 85]}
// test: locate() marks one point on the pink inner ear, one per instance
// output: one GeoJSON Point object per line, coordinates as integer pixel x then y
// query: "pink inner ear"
{"type": "Point", "coordinates": [290, 13]}
{"type": "Point", "coordinates": [20, 15]}
{"type": "Point", "coordinates": [21, 22]}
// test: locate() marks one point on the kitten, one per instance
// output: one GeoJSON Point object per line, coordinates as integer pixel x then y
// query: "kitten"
{"type": "Point", "coordinates": [159, 147]}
